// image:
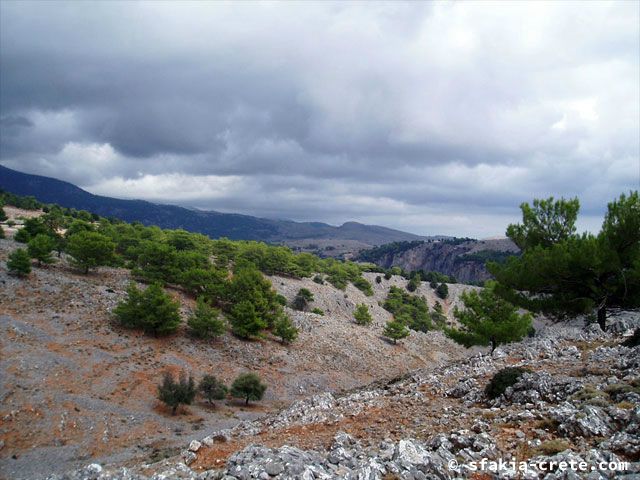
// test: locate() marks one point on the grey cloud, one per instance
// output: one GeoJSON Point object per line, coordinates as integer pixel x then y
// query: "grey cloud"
{"type": "Point", "coordinates": [324, 109]}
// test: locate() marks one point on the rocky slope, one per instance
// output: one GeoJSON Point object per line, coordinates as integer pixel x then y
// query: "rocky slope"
{"type": "Point", "coordinates": [575, 415]}
{"type": "Point", "coordinates": [460, 260]}
{"type": "Point", "coordinates": [76, 387]}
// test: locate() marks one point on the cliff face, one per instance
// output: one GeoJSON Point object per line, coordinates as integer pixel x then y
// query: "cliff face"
{"type": "Point", "coordinates": [464, 261]}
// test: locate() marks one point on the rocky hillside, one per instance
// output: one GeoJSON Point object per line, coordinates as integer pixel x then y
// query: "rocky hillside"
{"type": "Point", "coordinates": [576, 414]}
{"type": "Point", "coordinates": [464, 260]}
{"type": "Point", "coordinates": [75, 387]}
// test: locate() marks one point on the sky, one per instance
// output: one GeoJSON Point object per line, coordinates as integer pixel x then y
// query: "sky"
{"type": "Point", "coordinates": [434, 118]}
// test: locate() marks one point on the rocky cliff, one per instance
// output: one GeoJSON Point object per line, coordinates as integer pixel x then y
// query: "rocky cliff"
{"type": "Point", "coordinates": [465, 260]}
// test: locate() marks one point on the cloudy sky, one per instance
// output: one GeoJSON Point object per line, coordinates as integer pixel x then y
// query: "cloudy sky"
{"type": "Point", "coordinates": [435, 118]}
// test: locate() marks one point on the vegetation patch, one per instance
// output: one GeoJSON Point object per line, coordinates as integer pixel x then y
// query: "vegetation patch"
{"type": "Point", "coordinates": [507, 377]}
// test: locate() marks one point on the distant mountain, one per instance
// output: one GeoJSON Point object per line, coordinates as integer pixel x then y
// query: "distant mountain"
{"type": "Point", "coordinates": [212, 223]}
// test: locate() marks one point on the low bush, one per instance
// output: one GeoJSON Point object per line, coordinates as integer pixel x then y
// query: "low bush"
{"type": "Point", "coordinates": [507, 377]}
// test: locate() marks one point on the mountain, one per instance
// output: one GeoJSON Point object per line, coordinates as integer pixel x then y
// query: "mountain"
{"type": "Point", "coordinates": [212, 223]}
{"type": "Point", "coordinates": [463, 259]}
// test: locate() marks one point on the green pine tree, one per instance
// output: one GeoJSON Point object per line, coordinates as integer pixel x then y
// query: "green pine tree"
{"type": "Point", "coordinates": [395, 330]}
{"type": "Point", "coordinates": [488, 320]}
{"type": "Point", "coordinates": [40, 247]}
{"type": "Point", "coordinates": [19, 263]}
{"type": "Point", "coordinates": [90, 249]}
{"type": "Point", "coordinates": [285, 329]}
{"type": "Point", "coordinates": [245, 321]}
{"type": "Point", "coordinates": [205, 321]}
{"type": "Point", "coordinates": [302, 299]}
{"type": "Point", "coordinates": [362, 315]}
{"type": "Point", "coordinates": [152, 310]}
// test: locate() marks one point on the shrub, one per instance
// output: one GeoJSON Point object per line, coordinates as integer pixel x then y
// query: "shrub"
{"type": "Point", "coordinates": [378, 279]}
{"type": "Point", "coordinates": [387, 275]}
{"type": "Point", "coordinates": [318, 279]}
{"type": "Point", "coordinates": [40, 248]}
{"type": "Point", "coordinates": [411, 310]}
{"type": "Point", "coordinates": [504, 378]}
{"type": "Point", "coordinates": [395, 330]}
{"type": "Point", "coordinates": [587, 393]}
{"type": "Point", "coordinates": [438, 315]}
{"type": "Point", "coordinates": [19, 263]}
{"type": "Point", "coordinates": [90, 249]}
{"type": "Point", "coordinates": [212, 389]}
{"type": "Point", "coordinates": [285, 329]}
{"type": "Point", "coordinates": [175, 393]}
{"type": "Point", "coordinates": [152, 310]}
{"type": "Point", "coordinates": [318, 311]}
{"type": "Point", "coordinates": [442, 291]}
{"type": "Point", "coordinates": [363, 285]}
{"type": "Point", "coordinates": [2, 235]}
{"type": "Point", "coordinates": [281, 299]}
{"type": "Point", "coordinates": [551, 447]}
{"type": "Point", "coordinates": [249, 387]}
{"type": "Point", "coordinates": [617, 390]}
{"type": "Point", "coordinates": [414, 283]}
{"type": "Point", "coordinates": [205, 322]}
{"type": "Point", "coordinates": [302, 299]}
{"type": "Point", "coordinates": [362, 315]}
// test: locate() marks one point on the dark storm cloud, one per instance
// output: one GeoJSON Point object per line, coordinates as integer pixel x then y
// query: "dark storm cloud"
{"type": "Point", "coordinates": [427, 117]}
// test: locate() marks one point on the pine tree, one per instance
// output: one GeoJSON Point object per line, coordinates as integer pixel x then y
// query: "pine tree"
{"type": "Point", "coordinates": [175, 393]}
{"type": "Point", "coordinates": [245, 321]}
{"type": "Point", "coordinates": [152, 310]}
{"type": "Point", "coordinates": [562, 273]}
{"type": "Point", "coordinates": [414, 283]}
{"type": "Point", "coordinates": [285, 329]}
{"type": "Point", "coordinates": [488, 320]}
{"type": "Point", "coordinates": [212, 389]}
{"type": "Point", "coordinates": [249, 387]}
{"type": "Point", "coordinates": [3, 215]}
{"type": "Point", "coordinates": [19, 263]}
{"type": "Point", "coordinates": [362, 315]}
{"type": "Point", "coordinates": [40, 248]}
{"type": "Point", "coordinates": [395, 330]}
{"type": "Point", "coordinates": [442, 291]}
{"type": "Point", "coordinates": [90, 249]}
{"type": "Point", "coordinates": [302, 299]}
{"type": "Point", "coordinates": [205, 321]}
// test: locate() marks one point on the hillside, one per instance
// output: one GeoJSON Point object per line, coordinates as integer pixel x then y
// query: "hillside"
{"type": "Point", "coordinates": [211, 223]}
{"type": "Point", "coordinates": [76, 387]}
{"type": "Point", "coordinates": [575, 414]}
{"type": "Point", "coordinates": [464, 260]}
